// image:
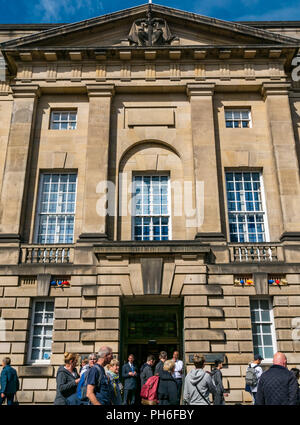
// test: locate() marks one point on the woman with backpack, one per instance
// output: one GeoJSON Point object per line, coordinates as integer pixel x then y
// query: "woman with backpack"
{"type": "Point", "coordinates": [167, 387]}
{"type": "Point", "coordinates": [67, 379]}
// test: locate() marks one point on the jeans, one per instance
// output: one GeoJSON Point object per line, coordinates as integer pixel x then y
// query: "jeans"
{"type": "Point", "coordinates": [179, 386]}
{"type": "Point", "coordinates": [254, 396]}
{"type": "Point", "coordinates": [73, 400]}
{"type": "Point", "coordinates": [9, 397]}
{"type": "Point", "coordinates": [129, 394]}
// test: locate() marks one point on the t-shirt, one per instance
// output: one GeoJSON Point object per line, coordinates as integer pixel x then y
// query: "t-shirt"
{"type": "Point", "coordinates": [178, 369]}
{"type": "Point", "coordinates": [102, 392]}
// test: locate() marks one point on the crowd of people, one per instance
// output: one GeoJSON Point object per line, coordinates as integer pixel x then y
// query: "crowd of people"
{"type": "Point", "coordinates": [157, 383]}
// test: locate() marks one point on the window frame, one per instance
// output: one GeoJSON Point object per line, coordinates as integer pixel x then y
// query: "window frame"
{"type": "Point", "coordinates": [240, 110]}
{"type": "Point", "coordinates": [263, 204]}
{"type": "Point", "coordinates": [272, 324]}
{"type": "Point", "coordinates": [31, 334]}
{"type": "Point", "coordinates": [133, 205]}
{"type": "Point", "coordinates": [63, 111]}
{"type": "Point", "coordinates": [38, 214]}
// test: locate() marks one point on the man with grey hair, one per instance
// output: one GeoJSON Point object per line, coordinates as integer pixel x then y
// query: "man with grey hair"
{"type": "Point", "coordinates": [9, 382]}
{"type": "Point", "coordinates": [98, 391]}
{"type": "Point", "coordinates": [278, 385]}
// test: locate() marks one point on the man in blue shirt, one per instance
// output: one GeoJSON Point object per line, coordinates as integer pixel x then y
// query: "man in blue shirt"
{"type": "Point", "coordinates": [129, 374]}
{"type": "Point", "coordinates": [9, 382]}
{"type": "Point", "coordinates": [98, 391]}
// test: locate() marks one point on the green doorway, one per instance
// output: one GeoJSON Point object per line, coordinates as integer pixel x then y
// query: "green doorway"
{"type": "Point", "coordinates": [149, 329]}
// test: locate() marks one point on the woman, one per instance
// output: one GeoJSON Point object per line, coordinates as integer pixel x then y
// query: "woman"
{"type": "Point", "coordinates": [198, 384]}
{"type": "Point", "coordinates": [115, 385]}
{"type": "Point", "coordinates": [167, 387]}
{"type": "Point", "coordinates": [67, 379]}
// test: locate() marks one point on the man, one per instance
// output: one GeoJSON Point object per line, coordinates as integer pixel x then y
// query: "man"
{"type": "Point", "coordinates": [162, 358]}
{"type": "Point", "coordinates": [9, 382]}
{"type": "Point", "coordinates": [177, 374]}
{"type": "Point", "coordinates": [146, 369]}
{"type": "Point", "coordinates": [129, 374]}
{"type": "Point", "coordinates": [258, 371]}
{"type": "Point", "coordinates": [92, 359]}
{"type": "Point", "coordinates": [217, 379]}
{"type": "Point", "coordinates": [278, 385]}
{"type": "Point", "coordinates": [98, 390]}
{"type": "Point", "coordinates": [198, 384]}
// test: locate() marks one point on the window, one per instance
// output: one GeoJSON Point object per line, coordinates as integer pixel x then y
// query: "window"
{"type": "Point", "coordinates": [41, 331]}
{"type": "Point", "coordinates": [263, 330]}
{"type": "Point", "coordinates": [238, 118]}
{"type": "Point", "coordinates": [246, 207]}
{"type": "Point", "coordinates": [63, 120]}
{"type": "Point", "coordinates": [151, 221]}
{"type": "Point", "coordinates": [56, 208]}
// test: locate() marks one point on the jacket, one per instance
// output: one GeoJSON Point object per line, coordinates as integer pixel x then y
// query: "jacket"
{"type": "Point", "coordinates": [146, 373]}
{"type": "Point", "coordinates": [198, 380]}
{"type": "Point", "coordinates": [277, 386]}
{"type": "Point", "coordinates": [65, 385]}
{"type": "Point", "coordinates": [216, 376]}
{"type": "Point", "coordinates": [158, 368]}
{"type": "Point", "coordinates": [9, 380]}
{"type": "Point", "coordinates": [130, 382]}
{"type": "Point", "coordinates": [167, 389]}
{"type": "Point", "coordinates": [115, 388]}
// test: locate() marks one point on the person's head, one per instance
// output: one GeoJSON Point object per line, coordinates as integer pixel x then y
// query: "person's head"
{"type": "Point", "coordinates": [84, 361]}
{"type": "Point", "coordinates": [71, 359]}
{"type": "Point", "coordinates": [280, 359]}
{"type": "Point", "coordinates": [114, 366]}
{"type": "Point", "coordinates": [92, 359]}
{"type": "Point", "coordinates": [163, 356]}
{"type": "Point", "coordinates": [176, 355]}
{"type": "Point", "coordinates": [131, 358]}
{"type": "Point", "coordinates": [104, 355]}
{"type": "Point", "coordinates": [199, 361]}
{"type": "Point", "coordinates": [5, 361]}
{"type": "Point", "coordinates": [150, 360]}
{"type": "Point", "coordinates": [219, 364]}
{"type": "Point", "coordinates": [258, 358]}
{"type": "Point", "coordinates": [169, 366]}
{"type": "Point", "coordinates": [296, 372]}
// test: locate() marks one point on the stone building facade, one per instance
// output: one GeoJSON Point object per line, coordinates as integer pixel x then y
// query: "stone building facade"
{"type": "Point", "coordinates": [194, 122]}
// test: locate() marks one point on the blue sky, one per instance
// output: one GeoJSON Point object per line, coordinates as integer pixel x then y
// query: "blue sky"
{"type": "Point", "coordinates": [52, 11]}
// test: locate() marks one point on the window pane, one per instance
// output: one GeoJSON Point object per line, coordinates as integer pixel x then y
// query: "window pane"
{"type": "Point", "coordinates": [268, 352]}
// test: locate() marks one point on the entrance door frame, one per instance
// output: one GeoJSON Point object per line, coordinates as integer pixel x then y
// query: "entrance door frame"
{"type": "Point", "coordinates": [127, 307]}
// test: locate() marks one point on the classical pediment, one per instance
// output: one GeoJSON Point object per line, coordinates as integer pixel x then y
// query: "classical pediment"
{"type": "Point", "coordinates": [133, 27]}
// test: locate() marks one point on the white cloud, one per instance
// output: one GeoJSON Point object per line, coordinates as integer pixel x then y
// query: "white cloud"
{"type": "Point", "coordinates": [66, 10]}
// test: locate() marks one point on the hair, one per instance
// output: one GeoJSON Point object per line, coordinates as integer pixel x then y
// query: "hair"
{"type": "Point", "coordinates": [103, 352]}
{"type": "Point", "coordinates": [6, 361]}
{"type": "Point", "coordinates": [150, 357]}
{"type": "Point", "coordinates": [169, 365]}
{"type": "Point", "coordinates": [163, 355]}
{"type": "Point", "coordinates": [296, 372]}
{"type": "Point", "coordinates": [198, 360]}
{"type": "Point", "coordinates": [114, 362]}
{"type": "Point", "coordinates": [217, 362]}
{"type": "Point", "coordinates": [69, 357]}
{"type": "Point", "coordinates": [93, 355]}
{"type": "Point", "coordinates": [132, 356]}
{"type": "Point", "coordinates": [85, 360]}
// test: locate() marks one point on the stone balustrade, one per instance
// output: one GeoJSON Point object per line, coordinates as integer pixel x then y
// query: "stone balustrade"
{"type": "Point", "coordinates": [54, 254]}
{"type": "Point", "coordinates": [255, 252]}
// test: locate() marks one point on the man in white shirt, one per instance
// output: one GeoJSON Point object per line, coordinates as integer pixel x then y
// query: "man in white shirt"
{"type": "Point", "coordinates": [177, 374]}
{"type": "Point", "coordinates": [258, 370]}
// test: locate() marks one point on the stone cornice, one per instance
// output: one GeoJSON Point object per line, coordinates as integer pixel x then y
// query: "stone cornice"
{"type": "Point", "coordinates": [100, 90]}
{"type": "Point", "coordinates": [275, 89]}
{"type": "Point", "coordinates": [198, 89]}
{"type": "Point", "coordinates": [26, 91]}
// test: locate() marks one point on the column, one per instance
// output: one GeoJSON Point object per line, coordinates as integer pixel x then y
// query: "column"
{"type": "Point", "coordinates": [283, 141]}
{"type": "Point", "coordinates": [94, 225]}
{"type": "Point", "coordinates": [205, 161]}
{"type": "Point", "coordinates": [17, 159]}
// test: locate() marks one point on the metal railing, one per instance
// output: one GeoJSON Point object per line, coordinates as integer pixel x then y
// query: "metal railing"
{"type": "Point", "coordinates": [39, 254]}
{"type": "Point", "coordinates": [260, 252]}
